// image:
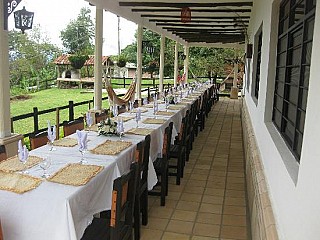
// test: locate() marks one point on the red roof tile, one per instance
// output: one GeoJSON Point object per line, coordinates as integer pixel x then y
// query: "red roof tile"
{"type": "Point", "coordinates": [63, 60]}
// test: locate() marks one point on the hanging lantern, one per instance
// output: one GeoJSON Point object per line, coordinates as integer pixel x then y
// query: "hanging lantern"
{"type": "Point", "coordinates": [23, 19]}
{"type": "Point", "coordinates": [185, 15]}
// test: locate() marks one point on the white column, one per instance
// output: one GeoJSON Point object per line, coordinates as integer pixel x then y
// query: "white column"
{"type": "Point", "coordinates": [139, 62]}
{"type": "Point", "coordinates": [5, 125]}
{"type": "Point", "coordinates": [186, 64]}
{"type": "Point", "coordinates": [235, 75]}
{"type": "Point", "coordinates": [175, 76]}
{"type": "Point", "coordinates": [98, 59]}
{"type": "Point", "coordinates": [161, 68]}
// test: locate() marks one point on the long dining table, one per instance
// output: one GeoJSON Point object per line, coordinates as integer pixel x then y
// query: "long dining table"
{"type": "Point", "coordinates": [56, 211]}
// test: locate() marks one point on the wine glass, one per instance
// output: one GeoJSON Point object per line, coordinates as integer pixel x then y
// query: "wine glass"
{"type": "Point", "coordinates": [82, 150]}
{"type": "Point", "coordinates": [23, 158]}
{"type": "Point", "coordinates": [45, 164]}
{"type": "Point", "coordinates": [51, 138]}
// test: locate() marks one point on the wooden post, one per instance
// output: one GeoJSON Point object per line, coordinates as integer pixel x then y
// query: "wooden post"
{"type": "Point", "coordinates": [71, 111]}
{"type": "Point", "coordinates": [35, 120]}
{"type": "Point", "coordinates": [57, 123]}
{"type": "Point", "coordinates": [124, 82]}
{"type": "Point", "coordinates": [149, 94]}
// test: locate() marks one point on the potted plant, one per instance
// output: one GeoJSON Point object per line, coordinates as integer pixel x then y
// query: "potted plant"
{"type": "Point", "coordinates": [77, 61]}
{"type": "Point", "coordinates": [122, 61]}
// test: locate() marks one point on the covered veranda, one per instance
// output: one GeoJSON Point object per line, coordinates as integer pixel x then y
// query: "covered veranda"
{"type": "Point", "coordinates": [214, 183]}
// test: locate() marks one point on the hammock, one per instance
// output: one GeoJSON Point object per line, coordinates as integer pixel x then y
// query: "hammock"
{"type": "Point", "coordinates": [114, 99]}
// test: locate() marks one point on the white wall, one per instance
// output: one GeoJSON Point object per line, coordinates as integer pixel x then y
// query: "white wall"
{"type": "Point", "coordinates": [294, 190]}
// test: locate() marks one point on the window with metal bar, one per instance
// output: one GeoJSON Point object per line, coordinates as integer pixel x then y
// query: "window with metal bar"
{"type": "Point", "coordinates": [296, 23]}
{"type": "Point", "coordinates": [258, 43]}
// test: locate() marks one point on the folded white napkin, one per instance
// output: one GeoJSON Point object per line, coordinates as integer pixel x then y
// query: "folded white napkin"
{"type": "Point", "coordinates": [51, 132]}
{"type": "Point", "coordinates": [82, 139]}
{"type": "Point", "coordinates": [23, 152]}
{"type": "Point", "coordinates": [89, 119]}
{"type": "Point", "coordinates": [138, 115]}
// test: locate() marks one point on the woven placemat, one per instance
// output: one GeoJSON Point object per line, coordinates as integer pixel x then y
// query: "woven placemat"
{"type": "Point", "coordinates": [93, 128]}
{"type": "Point", "coordinates": [149, 105]}
{"type": "Point", "coordinates": [66, 142]}
{"type": "Point", "coordinates": [111, 147]}
{"type": "Point", "coordinates": [124, 119]}
{"type": "Point", "coordinates": [175, 107]}
{"type": "Point", "coordinates": [142, 110]}
{"type": "Point", "coordinates": [154, 121]}
{"type": "Point", "coordinates": [13, 164]}
{"type": "Point", "coordinates": [75, 174]}
{"type": "Point", "coordinates": [18, 183]}
{"type": "Point", "coordinates": [164, 113]}
{"type": "Point", "coordinates": [140, 131]}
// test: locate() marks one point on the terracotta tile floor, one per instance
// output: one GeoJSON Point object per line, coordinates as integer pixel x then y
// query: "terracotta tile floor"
{"type": "Point", "coordinates": [210, 203]}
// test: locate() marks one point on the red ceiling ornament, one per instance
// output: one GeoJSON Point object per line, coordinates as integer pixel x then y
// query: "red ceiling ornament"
{"type": "Point", "coordinates": [185, 15]}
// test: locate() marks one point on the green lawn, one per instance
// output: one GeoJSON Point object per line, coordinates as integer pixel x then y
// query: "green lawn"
{"type": "Point", "coordinates": [45, 99]}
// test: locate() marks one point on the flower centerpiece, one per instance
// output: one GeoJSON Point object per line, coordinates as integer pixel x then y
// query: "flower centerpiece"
{"type": "Point", "coordinates": [107, 127]}
{"type": "Point", "coordinates": [170, 99]}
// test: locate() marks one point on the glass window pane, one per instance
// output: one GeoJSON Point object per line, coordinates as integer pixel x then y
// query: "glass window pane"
{"type": "Point", "coordinates": [294, 75]}
{"type": "Point", "coordinates": [295, 56]}
{"type": "Point", "coordinates": [282, 44]}
{"type": "Point", "coordinates": [298, 144]}
{"type": "Point", "coordinates": [301, 118]}
{"type": "Point", "coordinates": [294, 94]}
{"type": "Point", "coordinates": [289, 132]}
{"type": "Point", "coordinates": [296, 38]}
{"type": "Point", "coordinates": [290, 112]}
{"type": "Point", "coordinates": [282, 59]}
{"type": "Point", "coordinates": [278, 103]}
{"type": "Point", "coordinates": [304, 98]}
{"type": "Point", "coordinates": [308, 51]}
{"type": "Point", "coordinates": [309, 29]}
{"type": "Point", "coordinates": [306, 73]}
{"type": "Point", "coordinates": [277, 119]}
{"type": "Point", "coordinates": [280, 88]}
{"type": "Point", "coordinates": [281, 74]}
{"type": "Point", "coordinates": [298, 12]}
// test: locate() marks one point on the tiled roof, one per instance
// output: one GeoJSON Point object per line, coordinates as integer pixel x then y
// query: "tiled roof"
{"type": "Point", "coordinates": [63, 60]}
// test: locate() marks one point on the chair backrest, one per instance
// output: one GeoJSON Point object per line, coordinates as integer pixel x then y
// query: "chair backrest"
{"type": "Point", "coordinates": [167, 141]}
{"type": "Point", "coordinates": [38, 139]}
{"type": "Point", "coordinates": [1, 235]}
{"type": "Point", "coordinates": [3, 154]}
{"type": "Point", "coordinates": [100, 116]}
{"type": "Point", "coordinates": [72, 126]}
{"type": "Point", "coordinates": [145, 163]}
{"type": "Point", "coordinates": [123, 197]}
{"type": "Point", "coordinates": [183, 129]}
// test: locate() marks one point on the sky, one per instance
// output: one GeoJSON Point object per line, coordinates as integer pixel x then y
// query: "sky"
{"type": "Point", "coordinates": [54, 15]}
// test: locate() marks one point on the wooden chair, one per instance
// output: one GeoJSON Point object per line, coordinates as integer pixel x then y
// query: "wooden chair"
{"type": "Point", "coordinates": [141, 202]}
{"type": "Point", "coordinates": [1, 234]}
{"type": "Point", "coordinates": [72, 126]}
{"type": "Point", "coordinates": [161, 167]}
{"type": "Point", "coordinates": [3, 154]}
{"type": "Point", "coordinates": [178, 151]}
{"type": "Point", "coordinates": [38, 139]}
{"type": "Point", "coordinates": [101, 116]}
{"type": "Point", "coordinates": [117, 223]}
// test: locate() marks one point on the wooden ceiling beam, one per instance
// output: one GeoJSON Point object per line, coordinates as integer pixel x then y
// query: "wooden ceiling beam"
{"type": "Point", "coordinates": [182, 29]}
{"type": "Point", "coordinates": [202, 25]}
{"type": "Point", "coordinates": [245, 10]}
{"type": "Point", "coordinates": [195, 21]}
{"type": "Point", "coordinates": [194, 17]}
{"type": "Point", "coordinates": [181, 5]}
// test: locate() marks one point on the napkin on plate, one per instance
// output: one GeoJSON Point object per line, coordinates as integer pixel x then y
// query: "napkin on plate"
{"type": "Point", "coordinates": [23, 152]}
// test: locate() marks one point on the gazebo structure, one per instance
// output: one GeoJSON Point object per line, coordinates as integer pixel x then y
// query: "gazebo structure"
{"type": "Point", "coordinates": [67, 74]}
{"type": "Point", "coordinates": [280, 111]}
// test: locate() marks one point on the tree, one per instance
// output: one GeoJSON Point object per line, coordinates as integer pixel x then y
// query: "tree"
{"type": "Point", "coordinates": [78, 36]}
{"type": "Point", "coordinates": [30, 57]}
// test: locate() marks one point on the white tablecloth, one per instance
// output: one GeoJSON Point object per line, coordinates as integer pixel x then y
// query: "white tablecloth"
{"type": "Point", "coordinates": [62, 212]}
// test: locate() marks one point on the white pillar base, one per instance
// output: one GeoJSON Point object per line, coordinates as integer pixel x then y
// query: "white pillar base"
{"type": "Point", "coordinates": [234, 93]}
{"type": "Point", "coordinates": [11, 144]}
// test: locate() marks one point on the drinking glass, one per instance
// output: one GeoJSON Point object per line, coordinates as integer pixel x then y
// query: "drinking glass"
{"type": "Point", "coordinates": [45, 164]}
{"type": "Point", "coordinates": [82, 150]}
{"type": "Point", "coordinates": [24, 162]}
